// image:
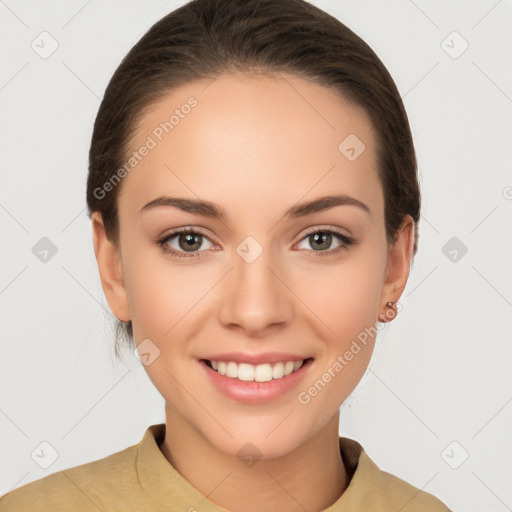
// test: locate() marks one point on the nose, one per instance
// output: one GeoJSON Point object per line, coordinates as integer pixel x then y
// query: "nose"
{"type": "Point", "coordinates": [256, 297]}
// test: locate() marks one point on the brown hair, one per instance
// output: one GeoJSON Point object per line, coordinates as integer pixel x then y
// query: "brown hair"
{"type": "Point", "coordinates": [204, 38]}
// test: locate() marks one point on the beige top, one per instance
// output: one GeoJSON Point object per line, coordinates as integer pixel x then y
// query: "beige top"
{"type": "Point", "coordinates": [141, 479]}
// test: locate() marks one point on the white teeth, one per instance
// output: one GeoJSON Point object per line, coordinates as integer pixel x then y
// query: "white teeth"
{"type": "Point", "coordinates": [259, 373]}
{"type": "Point", "coordinates": [263, 373]}
{"type": "Point", "coordinates": [244, 372]}
{"type": "Point", "coordinates": [278, 371]}
{"type": "Point", "coordinates": [288, 367]}
{"type": "Point", "coordinates": [232, 370]}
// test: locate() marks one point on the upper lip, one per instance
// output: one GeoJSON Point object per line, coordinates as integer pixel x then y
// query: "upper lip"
{"type": "Point", "coordinates": [255, 359]}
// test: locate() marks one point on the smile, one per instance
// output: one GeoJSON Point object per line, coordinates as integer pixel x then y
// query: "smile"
{"type": "Point", "coordinates": [255, 384]}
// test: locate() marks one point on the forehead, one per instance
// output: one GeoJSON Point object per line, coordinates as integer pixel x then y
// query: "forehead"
{"type": "Point", "coordinates": [240, 139]}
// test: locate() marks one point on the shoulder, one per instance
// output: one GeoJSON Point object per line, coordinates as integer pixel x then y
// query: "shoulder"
{"type": "Point", "coordinates": [81, 488]}
{"type": "Point", "coordinates": [397, 494]}
{"type": "Point", "coordinates": [371, 488]}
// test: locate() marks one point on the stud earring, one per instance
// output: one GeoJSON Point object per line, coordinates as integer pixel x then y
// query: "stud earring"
{"type": "Point", "coordinates": [385, 317]}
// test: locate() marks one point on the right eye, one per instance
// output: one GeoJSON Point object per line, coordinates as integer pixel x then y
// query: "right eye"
{"type": "Point", "coordinates": [187, 242]}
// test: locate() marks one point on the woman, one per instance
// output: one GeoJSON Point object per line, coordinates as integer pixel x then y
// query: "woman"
{"type": "Point", "coordinates": [254, 201]}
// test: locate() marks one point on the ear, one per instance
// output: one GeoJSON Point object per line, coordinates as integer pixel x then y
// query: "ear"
{"type": "Point", "coordinates": [398, 264]}
{"type": "Point", "coordinates": [111, 270]}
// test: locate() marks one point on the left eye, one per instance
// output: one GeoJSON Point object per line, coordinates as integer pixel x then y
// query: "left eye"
{"type": "Point", "coordinates": [321, 240]}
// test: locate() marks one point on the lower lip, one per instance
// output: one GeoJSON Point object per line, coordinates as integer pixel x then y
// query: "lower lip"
{"type": "Point", "coordinates": [256, 392]}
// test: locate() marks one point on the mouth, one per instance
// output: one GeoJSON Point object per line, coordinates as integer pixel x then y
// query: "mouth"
{"type": "Point", "coordinates": [256, 373]}
{"type": "Point", "coordinates": [256, 384]}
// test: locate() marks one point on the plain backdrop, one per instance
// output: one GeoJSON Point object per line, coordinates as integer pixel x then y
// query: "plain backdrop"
{"type": "Point", "coordinates": [435, 407]}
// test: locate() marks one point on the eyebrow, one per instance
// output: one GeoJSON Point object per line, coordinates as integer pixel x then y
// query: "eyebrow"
{"type": "Point", "coordinates": [209, 209]}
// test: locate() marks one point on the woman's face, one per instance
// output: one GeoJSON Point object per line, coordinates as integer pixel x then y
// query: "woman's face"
{"type": "Point", "coordinates": [254, 281]}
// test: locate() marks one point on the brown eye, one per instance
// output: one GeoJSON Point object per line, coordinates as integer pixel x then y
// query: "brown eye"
{"type": "Point", "coordinates": [320, 241]}
{"type": "Point", "coordinates": [184, 243]}
{"type": "Point", "coordinates": [190, 241]}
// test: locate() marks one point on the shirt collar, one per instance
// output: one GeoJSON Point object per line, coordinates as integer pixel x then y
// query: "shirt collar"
{"type": "Point", "coordinates": [155, 473]}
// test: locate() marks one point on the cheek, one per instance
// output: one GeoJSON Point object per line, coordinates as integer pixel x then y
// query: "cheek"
{"type": "Point", "coordinates": [345, 302]}
{"type": "Point", "coordinates": [161, 292]}
{"type": "Point", "coordinates": [345, 297]}
{"type": "Point", "coordinates": [164, 297]}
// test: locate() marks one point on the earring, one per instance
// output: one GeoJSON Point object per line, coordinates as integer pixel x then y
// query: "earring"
{"type": "Point", "coordinates": [384, 317]}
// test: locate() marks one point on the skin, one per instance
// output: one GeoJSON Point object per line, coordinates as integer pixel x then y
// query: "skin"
{"type": "Point", "coordinates": [256, 146]}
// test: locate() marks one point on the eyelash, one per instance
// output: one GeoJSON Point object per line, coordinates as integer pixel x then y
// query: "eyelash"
{"type": "Point", "coordinates": [347, 241]}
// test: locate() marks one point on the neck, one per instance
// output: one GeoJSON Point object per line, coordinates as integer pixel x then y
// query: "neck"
{"type": "Point", "coordinates": [311, 477]}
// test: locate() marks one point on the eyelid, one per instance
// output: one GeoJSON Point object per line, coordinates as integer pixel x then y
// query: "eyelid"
{"type": "Point", "coordinates": [320, 227]}
{"type": "Point", "coordinates": [189, 229]}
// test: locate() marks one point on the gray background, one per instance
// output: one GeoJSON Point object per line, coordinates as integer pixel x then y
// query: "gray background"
{"type": "Point", "coordinates": [439, 385]}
